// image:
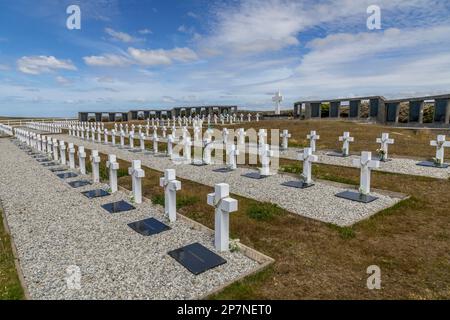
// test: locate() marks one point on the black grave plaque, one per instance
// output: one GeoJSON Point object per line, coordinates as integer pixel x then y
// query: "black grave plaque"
{"type": "Point", "coordinates": [67, 175]}
{"type": "Point", "coordinates": [197, 258]}
{"type": "Point", "coordinates": [79, 183]}
{"type": "Point", "coordinates": [254, 175]}
{"type": "Point", "coordinates": [432, 164]}
{"type": "Point", "coordinates": [356, 196]}
{"type": "Point", "coordinates": [149, 227]}
{"type": "Point", "coordinates": [96, 193]}
{"type": "Point", "coordinates": [118, 206]}
{"type": "Point", "coordinates": [297, 184]}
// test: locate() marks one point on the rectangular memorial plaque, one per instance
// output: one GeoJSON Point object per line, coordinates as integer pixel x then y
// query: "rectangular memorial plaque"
{"type": "Point", "coordinates": [223, 170]}
{"type": "Point", "coordinates": [336, 154]}
{"type": "Point", "coordinates": [119, 206]}
{"type": "Point", "coordinates": [356, 196]}
{"type": "Point", "coordinates": [432, 164]}
{"type": "Point", "coordinates": [95, 193]}
{"type": "Point", "coordinates": [198, 163]}
{"type": "Point", "coordinates": [67, 175]}
{"type": "Point", "coordinates": [197, 258]}
{"type": "Point", "coordinates": [49, 164]}
{"type": "Point", "coordinates": [148, 227]}
{"type": "Point", "coordinates": [297, 184]}
{"type": "Point", "coordinates": [59, 169]}
{"type": "Point", "coordinates": [78, 183]}
{"type": "Point", "coordinates": [254, 175]}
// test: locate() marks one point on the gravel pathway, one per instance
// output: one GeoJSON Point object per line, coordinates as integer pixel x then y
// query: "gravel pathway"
{"type": "Point", "coordinates": [54, 227]}
{"type": "Point", "coordinates": [394, 165]}
{"type": "Point", "coordinates": [318, 202]}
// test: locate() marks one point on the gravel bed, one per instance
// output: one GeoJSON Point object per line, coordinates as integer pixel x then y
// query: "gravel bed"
{"type": "Point", "coordinates": [54, 226]}
{"type": "Point", "coordinates": [318, 202]}
{"type": "Point", "coordinates": [394, 165]}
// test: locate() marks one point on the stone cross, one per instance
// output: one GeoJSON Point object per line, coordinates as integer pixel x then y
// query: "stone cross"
{"type": "Point", "coordinates": [277, 98]}
{"type": "Point", "coordinates": [82, 132]}
{"type": "Point", "coordinates": [308, 158]}
{"type": "Point", "coordinates": [171, 186]}
{"type": "Point", "coordinates": [131, 138]}
{"type": "Point", "coordinates": [113, 137]}
{"type": "Point", "coordinates": [187, 144]}
{"type": "Point", "coordinates": [265, 153]}
{"type": "Point", "coordinates": [384, 142]}
{"type": "Point", "coordinates": [223, 205]}
{"type": "Point", "coordinates": [155, 142]}
{"type": "Point", "coordinates": [366, 164]}
{"type": "Point", "coordinates": [142, 141]}
{"type": "Point", "coordinates": [440, 145]}
{"type": "Point", "coordinates": [122, 138]}
{"type": "Point", "coordinates": [249, 117]}
{"type": "Point", "coordinates": [241, 118]}
{"type": "Point", "coordinates": [82, 159]}
{"type": "Point", "coordinates": [113, 166]}
{"type": "Point", "coordinates": [262, 134]}
{"type": "Point", "coordinates": [71, 156]}
{"type": "Point", "coordinates": [99, 135]}
{"type": "Point", "coordinates": [312, 137]}
{"type": "Point", "coordinates": [55, 150]}
{"type": "Point", "coordinates": [93, 134]}
{"type": "Point", "coordinates": [207, 150]}
{"type": "Point", "coordinates": [136, 173]}
{"type": "Point", "coordinates": [346, 139]}
{"type": "Point", "coordinates": [95, 162]}
{"type": "Point", "coordinates": [233, 152]}
{"type": "Point", "coordinates": [225, 134]}
{"type": "Point", "coordinates": [285, 135]}
{"type": "Point", "coordinates": [241, 136]}
{"type": "Point", "coordinates": [62, 151]}
{"type": "Point", "coordinates": [105, 134]}
{"type": "Point", "coordinates": [170, 141]}
{"type": "Point", "coordinates": [197, 131]}
{"type": "Point", "coordinates": [257, 117]}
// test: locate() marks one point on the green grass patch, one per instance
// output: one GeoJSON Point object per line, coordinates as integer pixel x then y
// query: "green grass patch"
{"type": "Point", "coordinates": [184, 201]}
{"type": "Point", "coordinates": [344, 232]}
{"type": "Point", "coordinates": [263, 211]}
{"type": "Point", "coordinates": [10, 287]}
{"type": "Point", "coordinates": [158, 199]}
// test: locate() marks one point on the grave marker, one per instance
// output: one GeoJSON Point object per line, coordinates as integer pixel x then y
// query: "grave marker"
{"type": "Point", "coordinates": [136, 173]}
{"type": "Point", "coordinates": [171, 186]}
{"type": "Point", "coordinates": [113, 166]}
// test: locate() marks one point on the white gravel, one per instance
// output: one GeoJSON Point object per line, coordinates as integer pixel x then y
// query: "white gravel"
{"type": "Point", "coordinates": [318, 202]}
{"type": "Point", "coordinates": [394, 165]}
{"type": "Point", "coordinates": [54, 226]}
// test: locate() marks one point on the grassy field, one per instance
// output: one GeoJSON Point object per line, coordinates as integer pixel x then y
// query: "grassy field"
{"type": "Point", "coordinates": [10, 287]}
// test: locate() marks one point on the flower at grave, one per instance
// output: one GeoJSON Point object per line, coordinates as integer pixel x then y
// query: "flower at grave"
{"type": "Point", "coordinates": [436, 161]}
{"type": "Point", "coordinates": [381, 153]}
{"type": "Point", "coordinates": [234, 245]}
{"type": "Point", "coordinates": [360, 190]}
{"type": "Point", "coordinates": [302, 177]}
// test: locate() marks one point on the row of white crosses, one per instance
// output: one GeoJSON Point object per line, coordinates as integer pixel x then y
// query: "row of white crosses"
{"type": "Point", "coordinates": [45, 126]}
{"type": "Point", "coordinates": [6, 129]}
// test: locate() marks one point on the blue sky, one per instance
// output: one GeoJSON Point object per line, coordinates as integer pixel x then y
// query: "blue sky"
{"type": "Point", "coordinates": [157, 54]}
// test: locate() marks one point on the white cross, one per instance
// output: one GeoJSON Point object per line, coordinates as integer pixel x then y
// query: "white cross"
{"type": "Point", "coordinates": [384, 142]}
{"type": "Point", "coordinates": [257, 117]}
{"type": "Point", "coordinates": [187, 149]}
{"type": "Point", "coordinates": [285, 135]}
{"type": "Point", "coordinates": [366, 164]}
{"type": "Point", "coordinates": [208, 147]}
{"type": "Point", "coordinates": [155, 142]}
{"type": "Point", "coordinates": [308, 158]}
{"type": "Point", "coordinates": [440, 145]}
{"type": "Point", "coordinates": [113, 137]}
{"type": "Point", "coordinates": [265, 154]}
{"type": "Point", "coordinates": [170, 141]}
{"type": "Point", "coordinates": [105, 134]}
{"type": "Point", "coordinates": [95, 162]}
{"type": "Point", "coordinates": [312, 136]}
{"type": "Point", "coordinates": [62, 151]}
{"type": "Point", "coordinates": [131, 138]}
{"type": "Point", "coordinates": [82, 132]}
{"type": "Point", "coordinates": [262, 133]}
{"type": "Point", "coordinates": [241, 136]}
{"type": "Point", "coordinates": [113, 166]}
{"type": "Point", "coordinates": [55, 150]}
{"type": "Point", "coordinates": [170, 185]}
{"type": "Point", "coordinates": [277, 98]}
{"type": "Point", "coordinates": [197, 131]}
{"type": "Point", "coordinates": [223, 205]}
{"type": "Point", "coordinates": [93, 134]}
{"type": "Point", "coordinates": [99, 135]}
{"type": "Point", "coordinates": [346, 139]}
{"type": "Point", "coordinates": [142, 141]}
{"type": "Point", "coordinates": [225, 134]}
{"type": "Point", "coordinates": [233, 152]}
{"type": "Point", "coordinates": [164, 130]}
{"type": "Point", "coordinates": [122, 138]}
{"type": "Point", "coordinates": [71, 156]}
{"type": "Point", "coordinates": [136, 174]}
{"type": "Point", "coordinates": [82, 159]}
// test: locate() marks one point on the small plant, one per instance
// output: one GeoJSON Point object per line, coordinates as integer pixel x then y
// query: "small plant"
{"type": "Point", "coordinates": [184, 201]}
{"type": "Point", "coordinates": [132, 200]}
{"type": "Point", "coordinates": [109, 190]}
{"type": "Point", "coordinates": [158, 199]}
{"type": "Point", "coordinates": [437, 161]}
{"type": "Point", "coordinates": [234, 245]}
{"type": "Point", "coordinates": [263, 211]}
{"type": "Point", "coordinates": [382, 154]}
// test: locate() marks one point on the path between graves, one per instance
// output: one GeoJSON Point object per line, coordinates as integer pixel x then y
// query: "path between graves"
{"type": "Point", "coordinates": [56, 229]}
{"type": "Point", "coordinates": [318, 202]}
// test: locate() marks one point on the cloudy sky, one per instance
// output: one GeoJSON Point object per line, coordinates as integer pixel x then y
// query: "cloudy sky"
{"type": "Point", "coordinates": [157, 54]}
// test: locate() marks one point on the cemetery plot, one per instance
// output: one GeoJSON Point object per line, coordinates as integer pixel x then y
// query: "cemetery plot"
{"type": "Point", "coordinates": [148, 227]}
{"type": "Point", "coordinates": [119, 206]}
{"type": "Point", "coordinates": [115, 262]}
{"type": "Point", "coordinates": [95, 193]}
{"type": "Point", "coordinates": [78, 183]}
{"type": "Point", "coordinates": [317, 202]}
{"type": "Point", "coordinates": [67, 175]}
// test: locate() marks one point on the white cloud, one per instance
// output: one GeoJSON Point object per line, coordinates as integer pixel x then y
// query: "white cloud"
{"type": "Point", "coordinates": [145, 31]}
{"type": "Point", "coordinates": [161, 56]}
{"type": "Point", "coordinates": [4, 67]}
{"type": "Point", "coordinates": [42, 64]}
{"type": "Point", "coordinates": [63, 81]}
{"type": "Point", "coordinates": [107, 60]}
{"type": "Point", "coordinates": [192, 15]}
{"type": "Point", "coordinates": [121, 36]}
